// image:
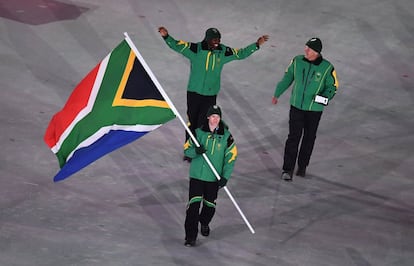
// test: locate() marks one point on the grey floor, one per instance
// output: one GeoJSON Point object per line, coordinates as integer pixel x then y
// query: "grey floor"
{"type": "Point", "coordinates": [355, 207]}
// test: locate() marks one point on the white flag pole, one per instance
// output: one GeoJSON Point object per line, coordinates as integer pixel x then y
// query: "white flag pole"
{"type": "Point", "coordinates": [167, 99]}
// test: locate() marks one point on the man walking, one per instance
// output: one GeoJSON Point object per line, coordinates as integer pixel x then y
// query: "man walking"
{"type": "Point", "coordinates": [315, 84]}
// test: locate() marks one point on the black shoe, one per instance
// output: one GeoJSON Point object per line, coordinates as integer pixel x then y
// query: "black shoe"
{"type": "Point", "coordinates": [190, 243]}
{"type": "Point", "coordinates": [287, 176]}
{"type": "Point", "coordinates": [186, 158]}
{"type": "Point", "coordinates": [301, 172]}
{"type": "Point", "coordinates": [205, 230]}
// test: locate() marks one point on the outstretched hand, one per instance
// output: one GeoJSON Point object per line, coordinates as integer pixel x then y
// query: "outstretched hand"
{"type": "Point", "coordinates": [163, 31]}
{"type": "Point", "coordinates": [262, 40]}
{"type": "Point", "coordinates": [274, 100]}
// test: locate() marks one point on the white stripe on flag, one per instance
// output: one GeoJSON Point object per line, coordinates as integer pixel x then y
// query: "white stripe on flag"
{"type": "Point", "coordinates": [85, 111]}
{"type": "Point", "coordinates": [105, 130]}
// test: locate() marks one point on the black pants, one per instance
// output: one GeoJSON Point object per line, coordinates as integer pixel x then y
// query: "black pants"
{"type": "Point", "coordinates": [199, 191]}
{"type": "Point", "coordinates": [197, 107]}
{"type": "Point", "coordinates": [302, 125]}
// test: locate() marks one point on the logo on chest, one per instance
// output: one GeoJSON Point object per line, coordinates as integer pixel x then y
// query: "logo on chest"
{"type": "Point", "coordinates": [216, 141]}
{"type": "Point", "coordinates": [318, 76]}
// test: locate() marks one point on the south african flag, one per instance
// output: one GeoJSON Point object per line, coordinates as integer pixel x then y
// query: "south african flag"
{"type": "Point", "coordinates": [115, 104]}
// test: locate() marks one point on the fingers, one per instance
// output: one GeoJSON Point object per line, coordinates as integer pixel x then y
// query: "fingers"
{"type": "Point", "coordinates": [163, 31]}
{"type": "Point", "coordinates": [262, 39]}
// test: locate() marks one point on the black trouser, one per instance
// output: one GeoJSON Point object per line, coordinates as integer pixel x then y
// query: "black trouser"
{"type": "Point", "coordinates": [197, 107]}
{"type": "Point", "coordinates": [199, 191]}
{"type": "Point", "coordinates": [302, 125]}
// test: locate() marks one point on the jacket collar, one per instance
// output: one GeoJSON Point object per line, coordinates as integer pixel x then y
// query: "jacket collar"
{"type": "Point", "coordinates": [317, 61]}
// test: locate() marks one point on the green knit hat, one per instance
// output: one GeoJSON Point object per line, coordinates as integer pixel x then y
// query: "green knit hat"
{"type": "Point", "coordinates": [214, 110]}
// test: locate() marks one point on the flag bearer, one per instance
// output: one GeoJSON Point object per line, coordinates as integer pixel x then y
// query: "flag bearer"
{"type": "Point", "coordinates": [217, 143]}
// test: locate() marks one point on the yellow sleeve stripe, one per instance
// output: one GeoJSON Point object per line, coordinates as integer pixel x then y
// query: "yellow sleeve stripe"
{"type": "Point", "coordinates": [336, 84]}
{"type": "Point", "coordinates": [233, 152]}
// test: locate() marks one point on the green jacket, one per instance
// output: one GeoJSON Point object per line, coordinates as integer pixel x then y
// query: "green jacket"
{"type": "Point", "coordinates": [206, 65]}
{"type": "Point", "coordinates": [311, 79]}
{"type": "Point", "coordinates": [220, 149]}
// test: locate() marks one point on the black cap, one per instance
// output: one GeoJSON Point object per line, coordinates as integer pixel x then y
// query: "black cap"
{"type": "Point", "coordinates": [315, 44]}
{"type": "Point", "coordinates": [212, 33]}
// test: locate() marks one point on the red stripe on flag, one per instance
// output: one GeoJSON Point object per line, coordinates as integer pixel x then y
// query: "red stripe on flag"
{"type": "Point", "coordinates": [76, 102]}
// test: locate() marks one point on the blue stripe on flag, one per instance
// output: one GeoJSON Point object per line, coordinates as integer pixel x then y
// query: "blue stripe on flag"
{"type": "Point", "coordinates": [111, 141]}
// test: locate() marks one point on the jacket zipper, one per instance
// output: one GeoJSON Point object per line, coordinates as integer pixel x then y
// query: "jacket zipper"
{"type": "Point", "coordinates": [306, 82]}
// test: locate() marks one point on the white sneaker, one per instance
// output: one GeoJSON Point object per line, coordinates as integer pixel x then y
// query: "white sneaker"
{"type": "Point", "coordinates": [287, 176]}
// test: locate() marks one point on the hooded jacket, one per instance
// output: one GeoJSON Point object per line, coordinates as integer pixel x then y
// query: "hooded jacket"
{"type": "Point", "coordinates": [310, 79]}
{"type": "Point", "coordinates": [220, 150]}
{"type": "Point", "coordinates": [206, 65]}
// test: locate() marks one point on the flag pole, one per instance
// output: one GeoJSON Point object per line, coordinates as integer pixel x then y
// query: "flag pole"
{"type": "Point", "coordinates": [164, 94]}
